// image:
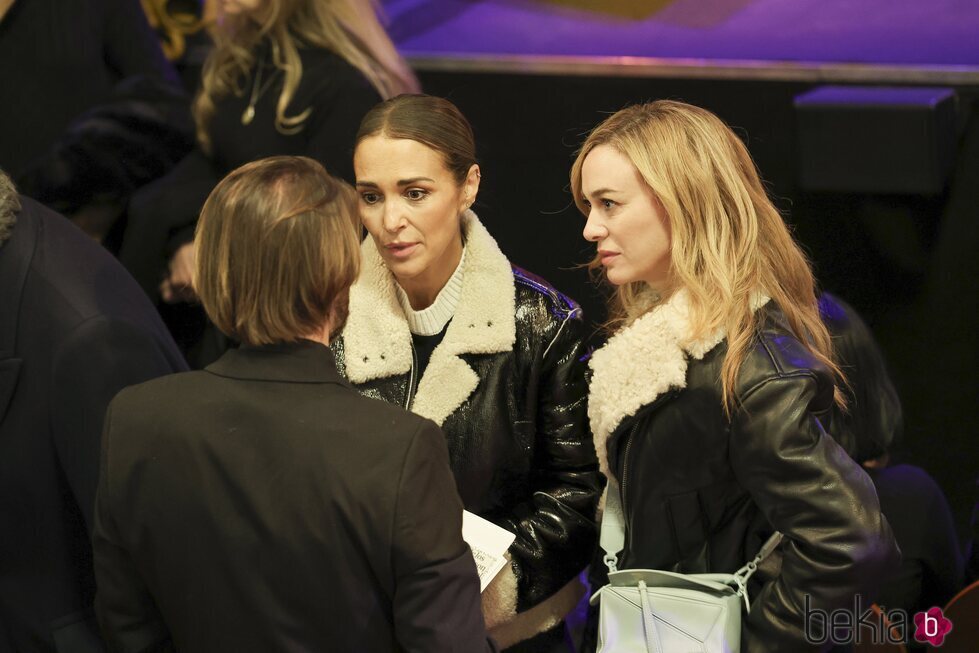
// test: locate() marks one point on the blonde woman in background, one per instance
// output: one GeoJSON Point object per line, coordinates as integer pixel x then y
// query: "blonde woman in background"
{"type": "Point", "coordinates": [708, 403]}
{"type": "Point", "coordinates": [285, 77]}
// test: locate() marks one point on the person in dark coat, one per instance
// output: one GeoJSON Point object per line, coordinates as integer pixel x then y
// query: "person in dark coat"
{"type": "Point", "coordinates": [74, 330]}
{"type": "Point", "coordinates": [263, 504]}
{"type": "Point", "coordinates": [872, 423]}
{"type": "Point", "coordinates": [931, 570]}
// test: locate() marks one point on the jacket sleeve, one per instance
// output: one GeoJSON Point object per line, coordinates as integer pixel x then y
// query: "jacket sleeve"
{"type": "Point", "coordinates": [556, 532]}
{"type": "Point", "coordinates": [837, 544]}
{"type": "Point", "coordinates": [127, 614]}
{"type": "Point", "coordinates": [436, 596]}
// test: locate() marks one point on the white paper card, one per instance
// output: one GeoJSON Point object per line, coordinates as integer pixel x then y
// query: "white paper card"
{"type": "Point", "coordinates": [488, 543]}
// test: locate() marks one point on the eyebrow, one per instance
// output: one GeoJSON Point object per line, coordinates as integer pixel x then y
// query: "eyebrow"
{"type": "Point", "coordinates": [401, 182]}
{"type": "Point", "coordinates": [414, 180]}
{"type": "Point", "coordinates": [602, 191]}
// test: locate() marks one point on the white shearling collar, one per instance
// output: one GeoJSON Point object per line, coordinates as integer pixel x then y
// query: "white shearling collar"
{"type": "Point", "coordinates": [641, 362]}
{"type": "Point", "coordinates": [377, 341]}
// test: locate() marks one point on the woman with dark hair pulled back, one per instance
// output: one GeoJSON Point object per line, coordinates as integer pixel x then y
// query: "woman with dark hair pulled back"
{"type": "Point", "coordinates": [443, 324]}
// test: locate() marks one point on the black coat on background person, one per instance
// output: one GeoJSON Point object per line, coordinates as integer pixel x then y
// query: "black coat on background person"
{"type": "Point", "coordinates": [931, 570]}
{"type": "Point", "coordinates": [279, 510]}
{"type": "Point", "coordinates": [702, 491]}
{"type": "Point", "coordinates": [74, 330]}
{"type": "Point", "coordinates": [872, 424]}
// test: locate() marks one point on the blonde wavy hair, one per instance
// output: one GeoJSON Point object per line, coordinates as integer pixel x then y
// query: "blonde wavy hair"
{"type": "Point", "coordinates": [175, 25]}
{"type": "Point", "coordinates": [349, 28]}
{"type": "Point", "coordinates": [729, 243]}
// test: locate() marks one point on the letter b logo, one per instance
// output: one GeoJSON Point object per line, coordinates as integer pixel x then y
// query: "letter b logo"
{"type": "Point", "coordinates": [931, 626]}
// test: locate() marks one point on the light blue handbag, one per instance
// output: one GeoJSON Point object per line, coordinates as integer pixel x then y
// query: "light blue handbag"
{"type": "Point", "coordinates": [652, 611]}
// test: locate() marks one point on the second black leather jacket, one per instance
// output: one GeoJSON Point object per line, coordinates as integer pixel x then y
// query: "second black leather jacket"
{"type": "Point", "coordinates": [873, 420]}
{"type": "Point", "coordinates": [702, 491]}
{"type": "Point", "coordinates": [507, 386]}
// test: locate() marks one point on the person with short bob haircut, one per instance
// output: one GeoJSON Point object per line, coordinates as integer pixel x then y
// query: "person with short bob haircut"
{"type": "Point", "coordinates": [709, 401]}
{"type": "Point", "coordinates": [272, 264]}
{"type": "Point", "coordinates": [262, 504]}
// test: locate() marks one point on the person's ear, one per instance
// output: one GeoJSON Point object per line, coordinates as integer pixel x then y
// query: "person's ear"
{"type": "Point", "coordinates": [470, 186]}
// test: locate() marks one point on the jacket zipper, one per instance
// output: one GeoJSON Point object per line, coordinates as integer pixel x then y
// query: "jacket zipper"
{"type": "Point", "coordinates": [411, 377]}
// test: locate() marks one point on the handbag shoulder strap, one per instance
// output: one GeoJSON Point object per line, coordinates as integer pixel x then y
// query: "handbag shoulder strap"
{"type": "Point", "coordinates": [612, 538]}
{"type": "Point", "coordinates": [742, 575]}
{"type": "Point", "coordinates": [766, 550]}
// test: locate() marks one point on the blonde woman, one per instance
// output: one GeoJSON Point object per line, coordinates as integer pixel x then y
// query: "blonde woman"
{"type": "Point", "coordinates": [707, 401]}
{"type": "Point", "coordinates": [285, 77]}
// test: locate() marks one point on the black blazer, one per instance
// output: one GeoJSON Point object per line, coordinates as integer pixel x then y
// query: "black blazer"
{"type": "Point", "coordinates": [74, 330]}
{"type": "Point", "coordinates": [264, 505]}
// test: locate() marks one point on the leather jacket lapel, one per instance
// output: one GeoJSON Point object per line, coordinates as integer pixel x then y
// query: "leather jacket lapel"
{"type": "Point", "coordinates": [484, 323]}
{"type": "Point", "coordinates": [376, 340]}
{"type": "Point", "coordinates": [641, 362]}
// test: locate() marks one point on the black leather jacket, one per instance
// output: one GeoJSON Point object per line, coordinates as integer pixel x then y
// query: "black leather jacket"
{"type": "Point", "coordinates": [702, 492]}
{"type": "Point", "coordinates": [519, 443]}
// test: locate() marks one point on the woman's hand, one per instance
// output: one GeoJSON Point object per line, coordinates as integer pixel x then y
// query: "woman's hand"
{"type": "Point", "coordinates": [178, 286]}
